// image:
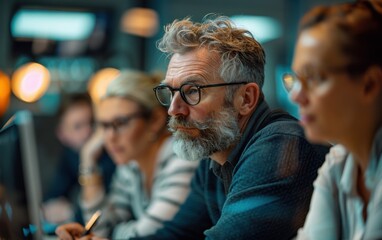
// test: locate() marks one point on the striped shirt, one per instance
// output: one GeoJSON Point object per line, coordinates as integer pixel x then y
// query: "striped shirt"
{"type": "Point", "coordinates": [128, 211]}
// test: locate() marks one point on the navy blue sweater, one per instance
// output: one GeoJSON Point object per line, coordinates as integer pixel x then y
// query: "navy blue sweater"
{"type": "Point", "coordinates": [263, 191]}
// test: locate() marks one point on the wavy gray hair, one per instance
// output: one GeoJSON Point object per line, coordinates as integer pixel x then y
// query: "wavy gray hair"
{"type": "Point", "coordinates": [242, 57]}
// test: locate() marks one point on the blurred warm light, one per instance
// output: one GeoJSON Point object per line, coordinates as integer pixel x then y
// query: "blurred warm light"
{"type": "Point", "coordinates": [30, 82]}
{"type": "Point", "coordinates": [5, 92]}
{"type": "Point", "coordinates": [140, 21]}
{"type": "Point", "coordinates": [99, 82]}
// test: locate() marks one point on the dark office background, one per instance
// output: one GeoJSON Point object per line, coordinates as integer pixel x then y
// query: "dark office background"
{"type": "Point", "coordinates": [124, 50]}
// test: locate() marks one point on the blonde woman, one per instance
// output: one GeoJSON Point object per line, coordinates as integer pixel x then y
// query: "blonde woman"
{"type": "Point", "coordinates": [150, 181]}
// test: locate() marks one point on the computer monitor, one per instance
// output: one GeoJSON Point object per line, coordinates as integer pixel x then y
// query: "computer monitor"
{"type": "Point", "coordinates": [20, 188]}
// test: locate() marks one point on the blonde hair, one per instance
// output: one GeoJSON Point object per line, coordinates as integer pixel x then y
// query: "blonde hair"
{"type": "Point", "coordinates": [136, 86]}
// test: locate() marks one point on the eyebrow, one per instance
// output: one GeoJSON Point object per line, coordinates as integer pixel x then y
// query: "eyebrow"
{"type": "Point", "coordinates": [115, 118]}
{"type": "Point", "coordinates": [306, 70]}
{"type": "Point", "coordinates": [196, 79]}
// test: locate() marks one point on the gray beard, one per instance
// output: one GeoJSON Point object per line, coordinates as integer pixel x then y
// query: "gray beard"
{"type": "Point", "coordinates": [218, 133]}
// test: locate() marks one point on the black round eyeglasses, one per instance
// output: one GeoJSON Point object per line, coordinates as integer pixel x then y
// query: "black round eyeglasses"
{"type": "Point", "coordinates": [190, 92]}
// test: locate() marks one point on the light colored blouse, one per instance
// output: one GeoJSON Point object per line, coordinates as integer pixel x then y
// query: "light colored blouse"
{"type": "Point", "coordinates": [128, 211]}
{"type": "Point", "coordinates": [336, 207]}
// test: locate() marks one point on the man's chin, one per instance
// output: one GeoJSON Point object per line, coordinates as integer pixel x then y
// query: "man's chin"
{"type": "Point", "coordinates": [188, 150]}
{"type": "Point", "coordinates": [182, 136]}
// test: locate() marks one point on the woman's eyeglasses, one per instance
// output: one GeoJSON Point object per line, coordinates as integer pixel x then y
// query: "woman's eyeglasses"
{"type": "Point", "coordinates": [120, 123]}
{"type": "Point", "coordinates": [290, 81]}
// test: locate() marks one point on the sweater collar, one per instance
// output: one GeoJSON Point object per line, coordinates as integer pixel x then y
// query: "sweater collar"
{"type": "Point", "coordinates": [254, 125]}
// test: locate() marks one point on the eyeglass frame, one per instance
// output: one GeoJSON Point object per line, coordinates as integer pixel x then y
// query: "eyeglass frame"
{"type": "Point", "coordinates": [296, 81]}
{"type": "Point", "coordinates": [182, 94]}
{"type": "Point", "coordinates": [123, 122]}
{"type": "Point", "coordinates": [352, 69]}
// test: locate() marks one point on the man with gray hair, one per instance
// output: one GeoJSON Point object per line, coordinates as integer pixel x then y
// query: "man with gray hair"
{"type": "Point", "coordinates": [257, 169]}
{"type": "Point", "coordinates": [255, 180]}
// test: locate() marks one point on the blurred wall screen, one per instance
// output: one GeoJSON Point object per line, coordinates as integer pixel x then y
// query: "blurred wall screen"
{"type": "Point", "coordinates": [52, 24]}
{"type": "Point", "coordinates": [47, 31]}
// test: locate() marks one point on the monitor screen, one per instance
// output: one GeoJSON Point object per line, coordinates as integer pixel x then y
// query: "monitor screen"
{"type": "Point", "coordinates": [20, 189]}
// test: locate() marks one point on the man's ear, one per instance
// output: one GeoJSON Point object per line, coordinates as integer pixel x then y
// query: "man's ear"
{"type": "Point", "coordinates": [247, 98]}
{"type": "Point", "coordinates": [372, 84]}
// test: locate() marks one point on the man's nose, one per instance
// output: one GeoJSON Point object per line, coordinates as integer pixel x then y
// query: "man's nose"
{"type": "Point", "coordinates": [178, 106]}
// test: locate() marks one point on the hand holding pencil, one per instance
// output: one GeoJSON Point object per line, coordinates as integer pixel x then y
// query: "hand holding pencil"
{"type": "Point", "coordinates": [72, 231]}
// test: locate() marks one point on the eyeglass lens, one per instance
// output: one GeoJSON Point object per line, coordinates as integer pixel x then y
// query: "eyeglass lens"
{"type": "Point", "coordinates": [119, 123]}
{"type": "Point", "coordinates": [289, 80]}
{"type": "Point", "coordinates": [190, 93]}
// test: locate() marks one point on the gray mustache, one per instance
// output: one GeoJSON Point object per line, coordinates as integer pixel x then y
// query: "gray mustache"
{"type": "Point", "coordinates": [176, 122]}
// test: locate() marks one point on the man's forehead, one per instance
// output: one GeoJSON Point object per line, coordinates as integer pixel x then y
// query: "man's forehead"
{"type": "Point", "coordinates": [195, 63]}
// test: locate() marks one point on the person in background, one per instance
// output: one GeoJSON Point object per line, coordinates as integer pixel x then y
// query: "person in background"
{"type": "Point", "coordinates": [254, 180]}
{"type": "Point", "coordinates": [74, 128]}
{"type": "Point", "coordinates": [151, 182]}
{"type": "Point", "coordinates": [338, 87]}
